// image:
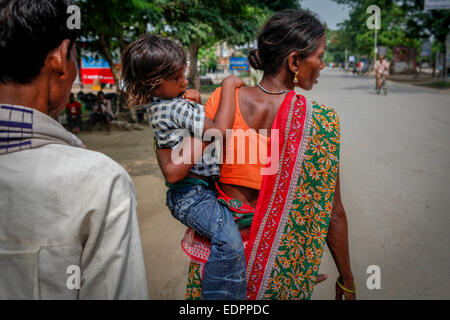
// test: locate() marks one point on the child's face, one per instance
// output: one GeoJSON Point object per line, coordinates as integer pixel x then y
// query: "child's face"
{"type": "Point", "coordinates": [172, 88]}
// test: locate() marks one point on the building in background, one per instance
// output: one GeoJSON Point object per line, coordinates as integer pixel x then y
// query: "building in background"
{"type": "Point", "coordinates": [404, 59]}
{"type": "Point", "coordinates": [92, 69]}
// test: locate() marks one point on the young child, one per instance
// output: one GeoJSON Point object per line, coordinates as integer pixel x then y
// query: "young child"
{"type": "Point", "coordinates": [153, 72]}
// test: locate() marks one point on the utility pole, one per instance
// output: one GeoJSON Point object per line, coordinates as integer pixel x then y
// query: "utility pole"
{"type": "Point", "coordinates": [447, 49]}
{"type": "Point", "coordinates": [375, 49]}
{"type": "Point", "coordinates": [374, 22]}
{"type": "Point", "coordinates": [346, 59]}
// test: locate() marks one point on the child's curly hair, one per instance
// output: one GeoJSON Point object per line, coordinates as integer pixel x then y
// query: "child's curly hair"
{"type": "Point", "coordinates": [146, 63]}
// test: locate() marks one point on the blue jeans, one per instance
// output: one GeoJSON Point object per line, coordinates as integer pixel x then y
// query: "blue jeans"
{"type": "Point", "coordinates": [197, 207]}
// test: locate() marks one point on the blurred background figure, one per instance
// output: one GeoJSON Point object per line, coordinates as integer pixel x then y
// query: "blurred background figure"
{"type": "Point", "coordinates": [73, 112]}
{"type": "Point", "coordinates": [381, 69]}
{"type": "Point", "coordinates": [102, 112]}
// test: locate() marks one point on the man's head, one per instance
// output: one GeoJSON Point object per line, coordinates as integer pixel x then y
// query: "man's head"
{"type": "Point", "coordinates": [72, 98]}
{"type": "Point", "coordinates": [100, 96]}
{"type": "Point", "coordinates": [36, 46]}
{"type": "Point", "coordinates": [381, 57]}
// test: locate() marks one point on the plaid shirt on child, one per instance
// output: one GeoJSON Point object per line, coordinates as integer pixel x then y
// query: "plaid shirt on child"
{"type": "Point", "coordinates": [173, 118]}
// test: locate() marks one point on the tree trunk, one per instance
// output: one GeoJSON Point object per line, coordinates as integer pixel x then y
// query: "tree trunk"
{"type": "Point", "coordinates": [194, 76]}
{"type": "Point", "coordinates": [106, 52]}
{"type": "Point", "coordinates": [434, 68]}
{"type": "Point", "coordinates": [444, 70]}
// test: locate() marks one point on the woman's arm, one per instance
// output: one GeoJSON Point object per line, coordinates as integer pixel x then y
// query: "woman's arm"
{"type": "Point", "coordinates": [337, 240]}
{"type": "Point", "coordinates": [223, 119]}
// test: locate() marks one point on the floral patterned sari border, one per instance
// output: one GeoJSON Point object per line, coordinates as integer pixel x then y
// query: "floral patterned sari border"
{"type": "Point", "coordinates": [258, 237]}
{"type": "Point", "coordinates": [290, 198]}
{"type": "Point", "coordinates": [271, 212]}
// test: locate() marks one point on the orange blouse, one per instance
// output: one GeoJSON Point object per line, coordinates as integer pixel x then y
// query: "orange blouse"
{"type": "Point", "coordinates": [246, 151]}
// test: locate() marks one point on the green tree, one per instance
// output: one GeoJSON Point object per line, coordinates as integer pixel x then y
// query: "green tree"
{"type": "Point", "coordinates": [203, 23]}
{"type": "Point", "coordinates": [207, 57]}
{"type": "Point", "coordinates": [360, 39]}
{"type": "Point", "coordinates": [335, 47]}
{"type": "Point", "coordinates": [199, 23]}
{"type": "Point", "coordinates": [109, 25]}
{"type": "Point", "coordinates": [276, 5]}
{"type": "Point", "coordinates": [425, 24]}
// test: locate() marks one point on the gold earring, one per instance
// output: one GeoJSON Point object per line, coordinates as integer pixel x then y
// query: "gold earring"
{"type": "Point", "coordinates": [295, 78]}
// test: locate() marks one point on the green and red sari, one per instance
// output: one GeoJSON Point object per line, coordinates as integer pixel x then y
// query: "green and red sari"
{"type": "Point", "coordinates": [290, 223]}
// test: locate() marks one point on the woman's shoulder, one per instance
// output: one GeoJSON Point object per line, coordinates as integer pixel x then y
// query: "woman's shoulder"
{"type": "Point", "coordinates": [212, 104]}
{"type": "Point", "coordinates": [323, 109]}
{"type": "Point", "coordinates": [317, 106]}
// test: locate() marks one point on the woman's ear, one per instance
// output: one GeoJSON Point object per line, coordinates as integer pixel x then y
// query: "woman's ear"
{"type": "Point", "coordinates": [293, 62]}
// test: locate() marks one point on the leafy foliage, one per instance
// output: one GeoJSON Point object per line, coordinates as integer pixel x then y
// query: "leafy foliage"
{"type": "Point", "coordinates": [358, 38]}
{"type": "Point", "coordinates": [109, 25]}
{"type": "Point", "coordinates": [198, 23]}
{"type": "Point", "coordinates": [403, 22]}
{"type": "Point", "coordinates": [424, 24]}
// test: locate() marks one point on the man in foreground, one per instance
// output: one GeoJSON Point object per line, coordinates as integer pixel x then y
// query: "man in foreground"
{"type": "Point", "coordinates": [68, 224]}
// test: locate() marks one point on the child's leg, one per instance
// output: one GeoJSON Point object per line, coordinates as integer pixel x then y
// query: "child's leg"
{"type": "Point", "coordinates": [224, 274]}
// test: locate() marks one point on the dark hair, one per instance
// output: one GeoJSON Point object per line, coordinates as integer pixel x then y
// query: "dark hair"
{"type": "Point", "coordinates": [285, 32]}
{"type": "Point", "coordinates": [147, 62]}
{"type": "Point", "coordinates": [29, 30]}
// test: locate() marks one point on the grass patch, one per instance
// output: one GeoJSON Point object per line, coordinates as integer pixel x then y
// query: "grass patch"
{"type": "Point", "coordinates": [437, 84]}
{"type": "Point", "coordinates": [209, 88]}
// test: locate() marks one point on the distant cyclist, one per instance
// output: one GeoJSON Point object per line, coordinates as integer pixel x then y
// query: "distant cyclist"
{"type": "Point", "coordinates": [381, 69]}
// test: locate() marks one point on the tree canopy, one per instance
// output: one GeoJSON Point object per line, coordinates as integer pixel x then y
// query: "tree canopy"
{"type": "Point", "coordinates": [403, 22]}
{"type": "Point", "coordinates": [110, 25]}
{"type": "Point", "coordinates": [357, 37]}
{"type": "Point", "coordinates": [199, 23]}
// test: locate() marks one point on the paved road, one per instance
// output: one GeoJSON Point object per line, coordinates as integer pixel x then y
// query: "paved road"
{"type": "Point", "coordinates": [395, 178]}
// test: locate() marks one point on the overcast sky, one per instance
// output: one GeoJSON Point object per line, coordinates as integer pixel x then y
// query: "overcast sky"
{"type": "Point", "coordinates": [328, 11]}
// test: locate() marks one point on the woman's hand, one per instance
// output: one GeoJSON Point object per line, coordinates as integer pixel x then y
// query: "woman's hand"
{"type": "Point", "coordinates": [320, 278]}
{"type": "Point", "coordinates": [348, 284]}
{"type": "Point", "coordinates": [337, 240]}
{"type": "Point", "coordinates": [192, 95]}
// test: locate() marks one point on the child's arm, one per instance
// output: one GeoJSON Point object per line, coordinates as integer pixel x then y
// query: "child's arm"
{"type": "Point", "coordinates": [224, 117]}
{"type": "Point", "coordinates": [176, 172]}
{"type": "Point", "coordinates": [223, 120]}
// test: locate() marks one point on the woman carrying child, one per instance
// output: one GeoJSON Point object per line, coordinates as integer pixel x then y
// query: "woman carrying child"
{"type": "Point", "coordinates": [298, 207]}
{"type": "Point", "coordinates": [154, 72]}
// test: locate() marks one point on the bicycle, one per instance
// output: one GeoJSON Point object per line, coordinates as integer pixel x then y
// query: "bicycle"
{"type": "Point", "coordinates": [383, 85]}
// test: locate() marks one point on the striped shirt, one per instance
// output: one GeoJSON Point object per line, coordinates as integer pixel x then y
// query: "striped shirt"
{"type": "Point", "coordinates": [172, 119]}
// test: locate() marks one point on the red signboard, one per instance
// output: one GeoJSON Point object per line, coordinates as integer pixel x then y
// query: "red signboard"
{"type": "Point", "coordinates": [92, 69]}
